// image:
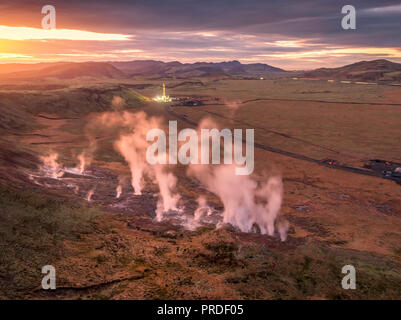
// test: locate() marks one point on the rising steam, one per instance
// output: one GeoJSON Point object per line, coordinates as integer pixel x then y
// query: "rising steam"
{"type": "Point", "coordinates": [119, 188]}
{"type": "Point", "coordinates": [247, 202]}
{"type": "Point", "coordinates": [250, 202]}
{"type": "Point", "coordinates": [167, 199]}
{"type": "Point", "coordinates": [51, 166]}
{"type": "Point", "coordinates": [117, 103]}
{"type": "Point", "coordinates": [202, 210]}
{"type": "Point", "coordinates": [90, 194]}
{"type": "Point", "coordinates": [132, 146]}
{"type": "Point", "coordinates": [84, 161]}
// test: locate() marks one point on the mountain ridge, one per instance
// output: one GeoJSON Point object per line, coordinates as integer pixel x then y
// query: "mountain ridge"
{"type": "Point", "coordinates": [127, 69]}
{"type": "Point", "coordinates": [229, 68]}
{"type": "Point", "coordinates": [370, 71]}
{"type": "Point", "coordinates": [373, 70]}
{"type": "Point", "coordinates": [68, 70]}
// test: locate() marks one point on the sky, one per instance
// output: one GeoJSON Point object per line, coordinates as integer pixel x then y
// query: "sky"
{"type": "Point", "coordinates": [290, 34]}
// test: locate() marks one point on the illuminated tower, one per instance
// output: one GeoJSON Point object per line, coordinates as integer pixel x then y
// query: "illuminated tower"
{"type": "Point", "coordinates": [163, 98]}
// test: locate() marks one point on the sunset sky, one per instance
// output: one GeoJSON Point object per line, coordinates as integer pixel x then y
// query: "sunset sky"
{"type": "Point", "coordinates": [288, 34]}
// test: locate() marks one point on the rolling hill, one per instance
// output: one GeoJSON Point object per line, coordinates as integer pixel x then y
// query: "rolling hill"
{"type": "Point", "coordinates": [369, 71]}
{"type": "Point", "coordinates": [116, 70]}
{"type": "Point", "coordinates": [67, 70]}
{"type": "Point", "coordinates": [7, 68]}
{"type": "Point", "coordinates": [375, 70]}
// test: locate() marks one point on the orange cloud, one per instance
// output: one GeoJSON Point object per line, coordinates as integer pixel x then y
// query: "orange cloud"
{"type": "Point", "coordinates": [388, 52]}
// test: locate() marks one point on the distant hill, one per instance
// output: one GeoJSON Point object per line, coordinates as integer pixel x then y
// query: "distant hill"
{"type": "Point", "coordinates": [66, 70]}
{"type": "Point", "coordinates": [7, 68]}
{"type": "Point", "coordinates": [375, 70]}
{"type": "Point", "coordinates": [198, 69]}
{"type": "Point", "coordinates": [115, 70]}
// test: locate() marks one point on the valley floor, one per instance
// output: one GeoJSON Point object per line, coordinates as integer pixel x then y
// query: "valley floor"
{"type": "Point", "coordinates": [112, 248]}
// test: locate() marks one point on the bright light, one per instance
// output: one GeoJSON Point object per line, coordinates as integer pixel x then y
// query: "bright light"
{"type": "Point", "coordinates": [164, 97]}
{"type": "Point", "coordinates": [27, 33]}
{"type": "Point", "coordinates": [13, 56]}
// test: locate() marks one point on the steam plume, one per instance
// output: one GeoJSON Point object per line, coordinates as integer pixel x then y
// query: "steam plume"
{"type": "Point", "coordinates": [51, 166]}
{"type": "Point", "coordinates": [132, 146]}
{"type": "Point", "coordinates": [167, 200]}
{"type": "Point", "coordinates": [247, 199]}
{"type": "Point", "coordinates": [117, 103]}
{"type": "Point", "coordinates": [90, 194]}
{"type": "Point", "coordinates": [202, 209]}
{"type": "Point", "coordinates": [119, 191]}
{"type": "Point", "coordinates": [84, 161]}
